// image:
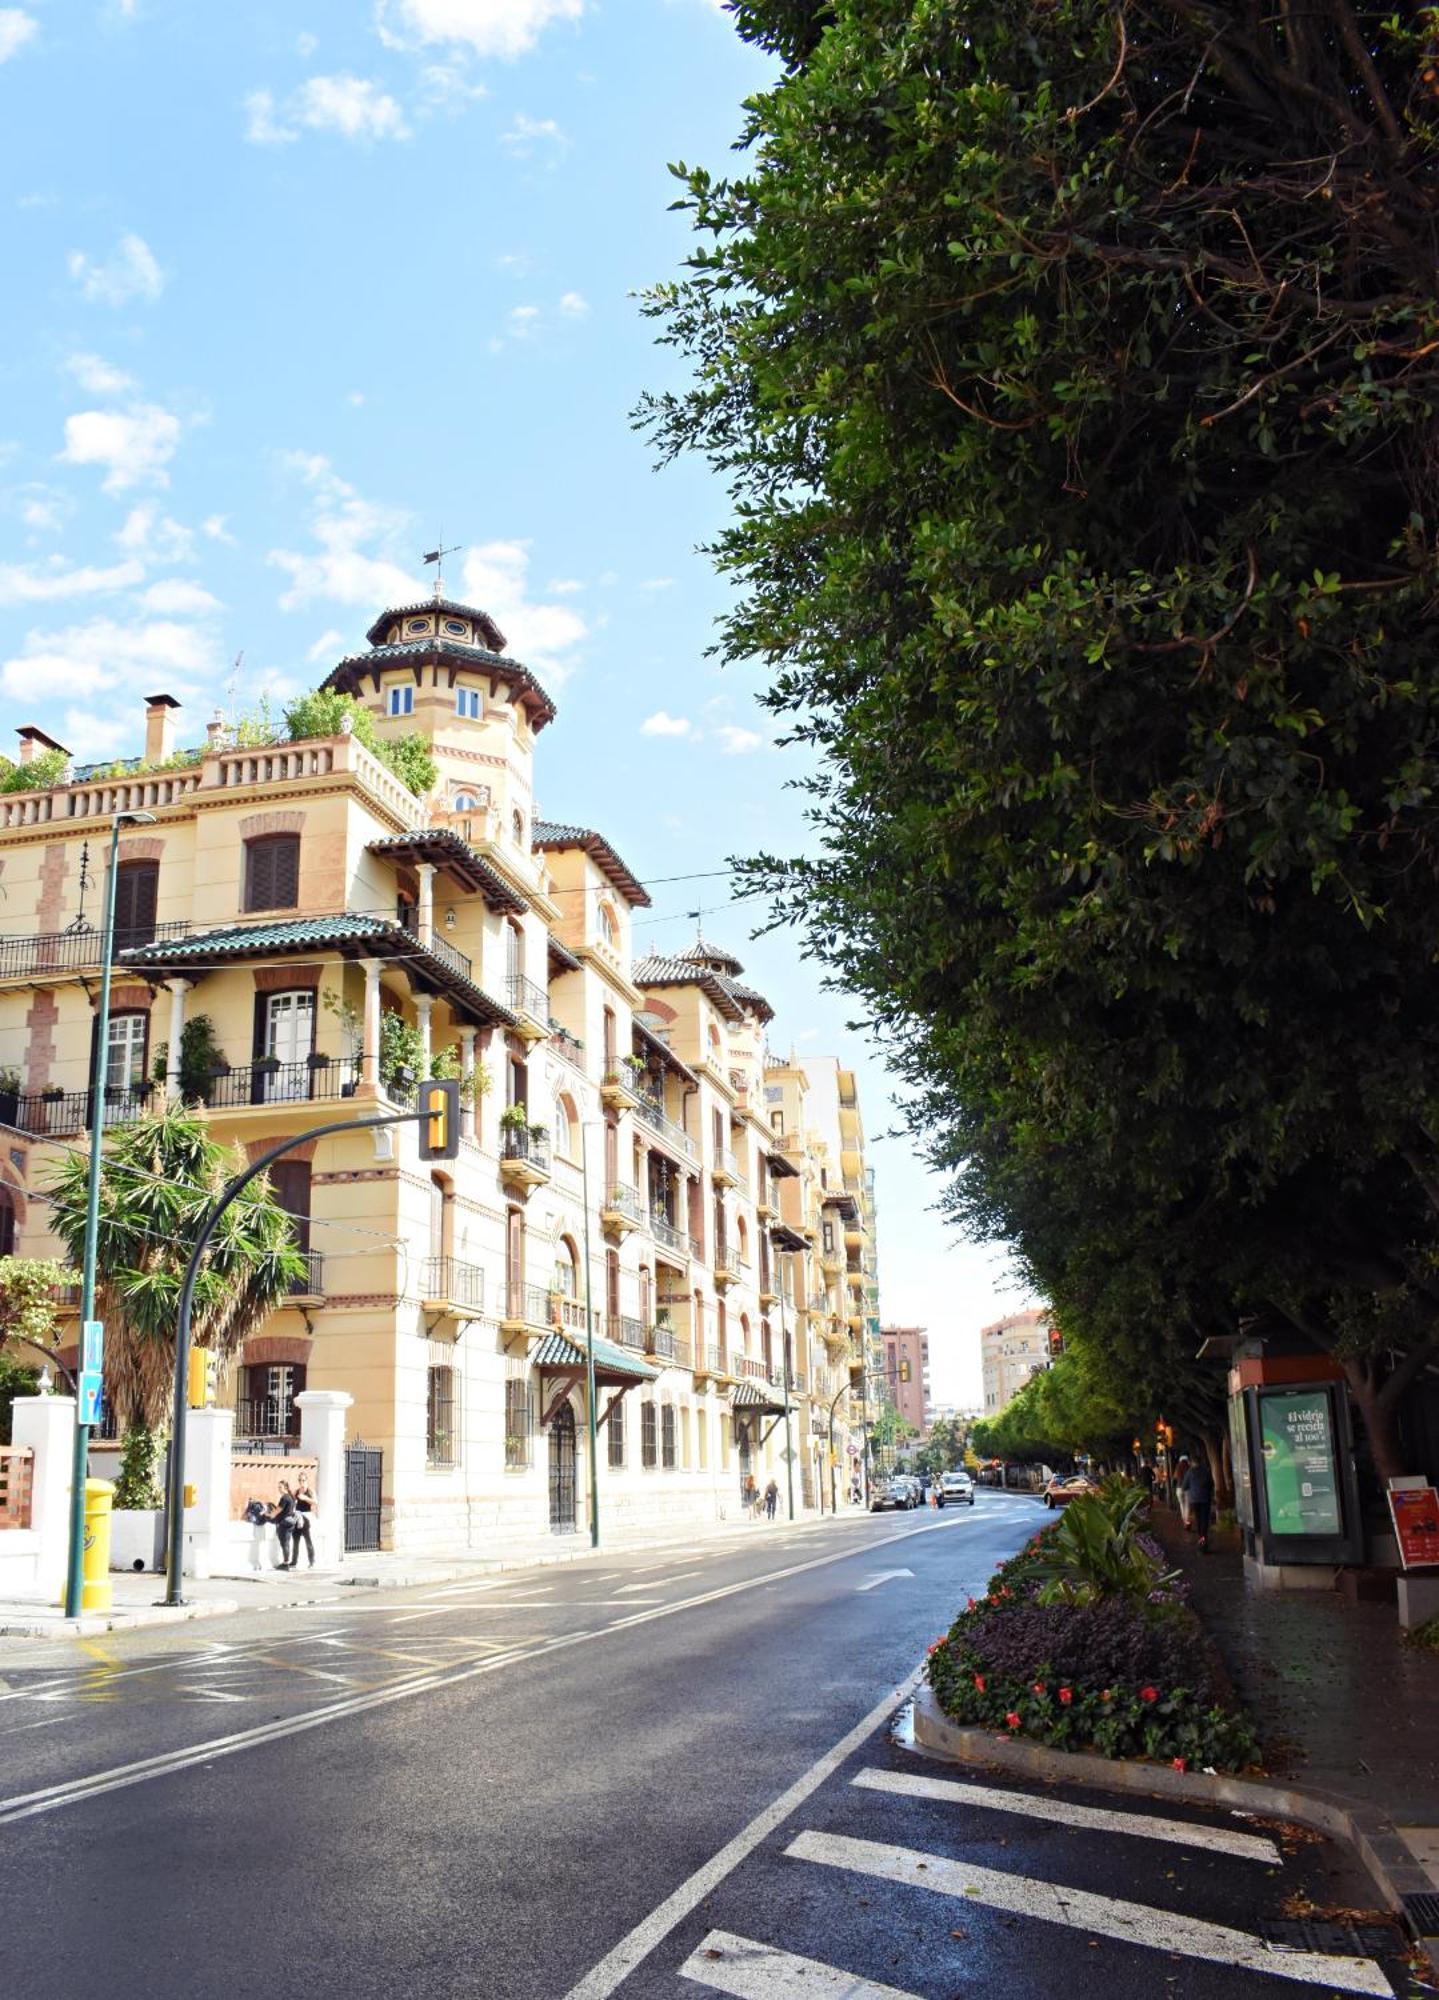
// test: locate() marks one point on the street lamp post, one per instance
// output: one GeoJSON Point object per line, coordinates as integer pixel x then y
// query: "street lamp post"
{"type": "Point", "coordinates": [100, 1070]}
{"type": "Point", "coordinates": [784, 1351]}
{"type": "Point", "coordinates": [594, 1442]}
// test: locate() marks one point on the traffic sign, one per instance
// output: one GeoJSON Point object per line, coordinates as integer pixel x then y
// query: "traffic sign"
{"type": "Point", "coordinates": [92, 1345]}
{"type": "Point", "coordinates": [91, 1391]}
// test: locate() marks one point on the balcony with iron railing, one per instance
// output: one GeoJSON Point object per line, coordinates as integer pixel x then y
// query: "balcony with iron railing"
{"type": "Point", "coordinates": [570, 1047]}
{"type": "Point", "coordinates": [669, 1235]}
{"type": "Point", "coordinates": [750, 1368]}
{"type": "Point", "coordinates": [621, 1209]}
{"type": "Point", "coordinates": [727, 1267]}
{"type": "Point", "coordinates": [41, 955]}
{"type": "Point", "coordinates": [527, 1305]}
{"type": "Point", "coordinates": [626, 1331]}
{"type": "Point", "coordinates": [725, 1169]}
{"type": "Point", "coordinates": [451, 1281]}
{"type": "Point", "coordinates": [529, 1000]}
{"type": "Point", "coordinates": [60, 1114]}
{"type": "Point", "coordinates": [657, 1119]}
{"type": "Point", "coordinates": [620, 1084]}
{"type": "Point", "coordinates": [665, 1344]}
{"type": "Point", "coordinates": [269, 1081]}
{"type": "Point", "coordinates": [266, 1417]}
{"type": "Point", "coordinates": [312, 1284]}
{"type": "Point", "coordinates": [524, 1155]}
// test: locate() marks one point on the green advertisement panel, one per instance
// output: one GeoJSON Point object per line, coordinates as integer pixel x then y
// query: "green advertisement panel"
{"type": "Point", "coordinates": [1300, 1475]}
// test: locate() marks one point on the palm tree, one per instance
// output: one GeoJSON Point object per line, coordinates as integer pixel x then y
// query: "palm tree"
{"type": "Point", "coordinates": [157, 1179]}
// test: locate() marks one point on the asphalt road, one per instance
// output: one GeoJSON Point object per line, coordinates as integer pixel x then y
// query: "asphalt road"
{"type": "Point", "coordinates": [669, 1773]}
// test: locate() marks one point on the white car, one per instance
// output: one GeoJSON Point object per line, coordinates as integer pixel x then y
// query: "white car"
{"type": "Point", "coordinates": [957, 1486]}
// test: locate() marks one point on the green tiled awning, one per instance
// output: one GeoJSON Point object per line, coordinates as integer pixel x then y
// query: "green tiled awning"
{"type": "Point", "coordinates": [753, 1396]}
{"type": "Point", "coordinates": [612, 1364]}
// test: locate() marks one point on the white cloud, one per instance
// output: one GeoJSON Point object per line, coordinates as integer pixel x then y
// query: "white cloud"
{"type": "Point", "coordinates": [563, 586]}
{"type": "Point", "coordinates": [655, 584]}
{"type": "Point", "coordinates": [325, 646]}
{"type": "Point", "coordinates": [104, 655]}
{"type": "Point", "coordinates": [98, 377]}
{"type": "Point", "coordinates": [262, 128]}
{"type": "Point", "coordinates": [544, 636]}
{"type": "Point", "coordinates": [447, 87]}
{"type": "Point", "coordinates": [213, 526]}
{"type": "Point", "coordinates": [737, 742]}
{"type": "Point", "coordinates": [516, 263]}
{"type": "Point", "coordinates": [43, 510]}
{"type": "Point", "coordinates": [131, 273]}
{"type": "Point", "coordinates": [573, 305]}
{"type": "Point", "coordinates": [350, 106]}
{"type": "Point", "coordinates": [29, 583]}
{"type": "Point", "coordinates": [172, 597]}
{"type": "Point", "coordinates": [660, 724]}
{"type": "Point", "coordinates": [356, 399]}
{"type": "Point", "coordinates": [490, 27]}
{"type": "Point", "coordinates": [152, 536]}
{"type": "Point", "coordinates": [526, 135]}
{"type": "Point", "coordinates": [522, 321]}
{"type": "Point", "coordinates": [16, 29]}
{"type": "Point", "coordinates": [135, 444]}
{"type": "Point", "coordinates": [353, 563]}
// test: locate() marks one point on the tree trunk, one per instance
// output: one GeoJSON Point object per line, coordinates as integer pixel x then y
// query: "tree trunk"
{"type": "Point", "coordinates": [1214, 1452]}
{"type": "Point", "coordinates": [1380, 1413]}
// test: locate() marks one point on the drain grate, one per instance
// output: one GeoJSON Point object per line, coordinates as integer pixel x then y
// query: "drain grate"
{"type": "Point", "coordinates": [1341, 1940]}
{"type": "Point", "coordinates": [1423, 1912]}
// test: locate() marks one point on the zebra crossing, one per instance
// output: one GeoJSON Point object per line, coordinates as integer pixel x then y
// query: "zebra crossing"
{"type": "Point", "coordinates": [897, 1883]}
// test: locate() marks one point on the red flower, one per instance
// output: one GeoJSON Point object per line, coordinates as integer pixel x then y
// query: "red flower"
{"type": "Point", "coordinates": [1066, 1695]}
{"type": "Point", "coordinates": [969, 1604]}
{"type": "Point", "coordinates": [1012, 1719]}
{"type": "Point", "coordinates": [1006, 1591]}
{"type": "Point", "coordinates": [979, 1682]}
{"type": "Point", "coordinates": [1039, 1687]}
{"type": "Point", "coordinates": [1149, 1694]}
{"type": "Point", "coordinates": [1106, 1694]}
{"type": "Point", "coordinates": [1180, 1765]}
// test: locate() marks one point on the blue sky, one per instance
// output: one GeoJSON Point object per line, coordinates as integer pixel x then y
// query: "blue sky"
{"type": "Point", "coordinates": [293, 288]}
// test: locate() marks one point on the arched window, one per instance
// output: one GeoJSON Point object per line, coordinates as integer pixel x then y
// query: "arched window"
{"type": "Point", "coordinates": [517, 827]}
{"type": "Point", "coordinates": [609, 929]}
{"type": "Point", "coordinates": [567, 1282]}
{"type": "Point", "coordinates": [565, 1128]}
{"type": "Point", "coordinates": [464, 802]}
{"type": "Point", "coordinates": [714, 1041]}
{"type": "Point", "coordinates": [742, 1234]}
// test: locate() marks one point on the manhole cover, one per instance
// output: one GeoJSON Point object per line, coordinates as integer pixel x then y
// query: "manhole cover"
{"type": "Point", "coordinates": [1345, 1940]}
{"type": "Point", "coordinates": [1423, 1912]}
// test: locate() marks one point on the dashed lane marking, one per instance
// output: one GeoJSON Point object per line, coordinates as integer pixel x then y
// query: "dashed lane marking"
{"type": "Point", "coordinates": [729, 1964]}
{"type": "Point", "coordinates": [1079, 1909]}
{"type": "Point", "coordinates": [1144, 1826]}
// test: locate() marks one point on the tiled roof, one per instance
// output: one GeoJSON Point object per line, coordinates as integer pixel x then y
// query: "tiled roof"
{"type": "Point", "coordinates": [566, 1350]}
{"type": "Point", "coordinates": [445, 607]}
{"type": "Point", "coordinates": [732, 999]}
{"type": "Point", "coordinates": [352, 670]}
{"type": "Point", "coordinates": [547, 833]}
{"type": "Point", "coordinates": [562, 956]}
{"type": "Point", "coordinates": [660, 1048]}
{"type": "Point", "coordinates": [753, 1396]}
{"type": "Point", "coordinates": [375, 937]}
{"type": "Point", "coordinates": [701, 952]}
{"type": "Point", "coordinates": [444, 847]}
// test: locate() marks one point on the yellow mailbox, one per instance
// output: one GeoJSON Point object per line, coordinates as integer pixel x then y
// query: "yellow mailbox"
{"type": "Point", "coordinates": [95, 1593]}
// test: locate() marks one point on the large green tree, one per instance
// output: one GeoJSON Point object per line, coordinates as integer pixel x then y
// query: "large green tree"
{"type": "Point", "coordinates": [158, 1178]}
{"type": "Point", "coordinates": [1075, 371]}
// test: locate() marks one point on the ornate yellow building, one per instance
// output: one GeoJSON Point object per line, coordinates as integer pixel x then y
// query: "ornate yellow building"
{"type": "Point", "coordinates": [297, 931]}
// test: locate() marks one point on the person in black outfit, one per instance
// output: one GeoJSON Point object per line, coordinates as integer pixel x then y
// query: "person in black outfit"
{"type": "Point", "coordinates": [285, 1514]}
{"type": "Point", "coordinates": [1199, 1488]}
{"type": "Point", "coordinates": [304, 1508]}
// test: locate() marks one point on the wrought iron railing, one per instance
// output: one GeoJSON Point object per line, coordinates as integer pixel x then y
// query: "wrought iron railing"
{"type": "Point", "coordinates": [667, 1235]}
{"type": "Point", "coordinates": [312, 1285]}
{"type": "Point", "coordinates": [658, 1120]}
{"type": "Point", "coordinates": [751, 1368]}
{"type": "Point", "coordinates": [267, 1081]}
{"type": "Point", "coordinates": [59, 1114]}
{"type": "Point", "coordinates": [75, 950]}
{"type": "Point", "coordinates": [453, 1280]}
{"type": "Point", "coordinates": [625, 1331]}
{"type": "Point", "coordinates": [567, 1045]}
{"type": "Point", "coordinates": [266, 1417]}
{"type": "Point", "coordinates": [622, 1199]}
{"type": "Point", "coordinates": [716, 1357]}
{"type": "Point", "coordinates": [530, 1303]}
{"type": "Point", "coordinates": [522, 1142]}
{"type": "Point", "coordinates": [525, 997]}
{"type": "Point", "coordinates": [445, 952]}
{"type": "Point", "coordinates": [728, 1260]}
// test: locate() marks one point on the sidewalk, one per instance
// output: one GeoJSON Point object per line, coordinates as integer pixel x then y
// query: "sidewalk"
{"type": "Point", "coordinates": [1345, 1711]}
{"type": "Point", "coordinates": [136, 1598]}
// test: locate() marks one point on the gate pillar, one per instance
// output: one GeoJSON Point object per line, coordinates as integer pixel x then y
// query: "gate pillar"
{"type": "Point", "coordinates": [322, 1437]}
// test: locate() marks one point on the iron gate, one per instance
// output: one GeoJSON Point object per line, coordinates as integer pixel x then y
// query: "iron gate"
{"type": "Point", "coordinates": [562, 1470]}
{"type": "Point", "coordinates": [363, 1463]}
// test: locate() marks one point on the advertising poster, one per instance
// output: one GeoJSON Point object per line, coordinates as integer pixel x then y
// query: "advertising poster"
{"type": "Point", "coordinates": [1416, 1524]}
{"type": "Point", "coordinates": [1300, 1481]}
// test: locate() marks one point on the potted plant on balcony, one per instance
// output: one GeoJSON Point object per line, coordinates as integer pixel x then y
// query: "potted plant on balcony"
{"type": "Point", "coordinates": [402, 1051]}
{"type": "Point", "coordinates": [9, 1096]}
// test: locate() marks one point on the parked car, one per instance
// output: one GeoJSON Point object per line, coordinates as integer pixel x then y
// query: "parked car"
{"type": "Point", "coordinates": [957, 1486]}
{"type": "Point", "coordinates": [891, 1493]}
{"type": "Point", "coordinates": [1059, 1492]}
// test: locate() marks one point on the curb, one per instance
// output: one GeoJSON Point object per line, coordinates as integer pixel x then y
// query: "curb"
{"type": "Point", "coordinates": [1372, 1837]}
{"type": "Point", "coordinates": [122, 1619]}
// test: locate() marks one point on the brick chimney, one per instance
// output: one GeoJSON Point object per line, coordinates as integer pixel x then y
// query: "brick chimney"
{"type": "Point", "coordinates": [33, 741]}
{"type": "Point", "coordinates": [159, 727]}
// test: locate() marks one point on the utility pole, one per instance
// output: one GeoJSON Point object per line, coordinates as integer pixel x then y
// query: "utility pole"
{"type": "Point", "coordinates": [99, 1077]}
{"type": "Point", "coordinates": [594, 1441]}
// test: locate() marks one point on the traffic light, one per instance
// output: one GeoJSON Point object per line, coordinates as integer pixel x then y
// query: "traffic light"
{"type": "Point", "coordinates": [440, 1122]}
{"type": "Point", "coordinates": [904, 1370]}
{"type": "Point", "coordinates": [204, 1371]}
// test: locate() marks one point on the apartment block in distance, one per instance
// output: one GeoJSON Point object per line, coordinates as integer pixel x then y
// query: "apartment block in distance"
{"type": "Point", "coordinates": [1011, 1350]}
{"type": "Point", "coordinates": [906, 1364]}
{"type": "Point", "coordinates": [322, 935]}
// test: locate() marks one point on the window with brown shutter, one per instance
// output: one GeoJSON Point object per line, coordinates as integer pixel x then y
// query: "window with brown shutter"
{"type": "Point", "coordinates": [272, 872]}
{"type": "Point", "coordinates": [137, 891]}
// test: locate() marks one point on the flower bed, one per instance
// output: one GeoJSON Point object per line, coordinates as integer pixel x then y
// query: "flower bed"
{"type": "Point", "coordinates": [1122, 1676]}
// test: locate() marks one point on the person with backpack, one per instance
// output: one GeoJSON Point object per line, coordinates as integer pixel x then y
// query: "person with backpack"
{"type": "Point", "coordinates": [1199, 1491]}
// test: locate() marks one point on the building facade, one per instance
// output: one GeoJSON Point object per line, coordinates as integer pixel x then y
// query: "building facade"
{"type": "Point", "coordinates": [1011, 1350]}
{"type": "Point", "coordinates": [906, 1364]}
{"type": "Point", "coordinates": [297, 933]}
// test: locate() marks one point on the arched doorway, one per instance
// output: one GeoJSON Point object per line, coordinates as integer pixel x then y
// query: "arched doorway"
{"type": "Point", "coordinates": [746, 1455]}
{"type": "Point", "coordinates": [562, 1471]}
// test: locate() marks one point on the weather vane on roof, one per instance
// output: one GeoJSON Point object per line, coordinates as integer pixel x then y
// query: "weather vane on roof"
{"type": "Point", "coordinates": [437, 557]}
{"type": "Point", "coordinates": [698, 916]}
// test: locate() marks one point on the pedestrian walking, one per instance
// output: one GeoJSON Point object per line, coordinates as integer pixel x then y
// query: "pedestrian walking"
{"type": "Point", "coordinates": [751, 1496]}
{"type": "Point", "coordinates": [771, 1500]}
{"type": "Point", "coordinates": [304, 1510]}
{"type": "Point", "coordinates": [1199, 1485]}
{"type": "Point", "coordinates": [284, 1515]}
{"type": "Point", "coordinates": [1181, 1487]}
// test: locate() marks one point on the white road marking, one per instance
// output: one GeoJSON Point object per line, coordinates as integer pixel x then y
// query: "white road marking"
{"type": "Point", "coordinates": [1079, 1909]}
{"type": "Point", "coordinates": [409, 1617]}
{"type": "Point", "coordinates": [26, 1805]}
{"type": "Point", "coordinates": [729, 1964]}
{"type": "Point", "coordinates": [210, 1694]}
{"type": "Point", "coordinates": [882, 1576]}
{"type": "Point", "coordinates": [617, 1965]}
{"type": "Point", "coordinates": [1217, 1839]}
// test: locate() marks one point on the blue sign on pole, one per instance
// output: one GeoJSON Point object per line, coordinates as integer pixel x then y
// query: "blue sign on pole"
{"type": "Point", "coordinates": [92, 1346]}
{"type": "Point", "coordinates": [91, 1391]}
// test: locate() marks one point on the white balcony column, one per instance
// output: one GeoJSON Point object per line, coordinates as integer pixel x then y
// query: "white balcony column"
{"type": "Point", "coordinates": [424, 1006]}
{"type": "Point", "coordinates": [467, 1069]}
{"type": "Point", "coordinates": [178, 989]}
{"type": "Point", "coordinates": [370, 1047]}
{"type": "Point", "coordinates": [425, 914]}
